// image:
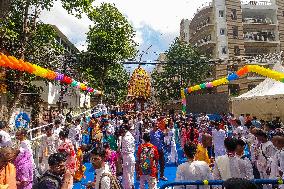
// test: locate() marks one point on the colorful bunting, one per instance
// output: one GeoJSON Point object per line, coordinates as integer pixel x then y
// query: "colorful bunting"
{"type": "Point", "coordinates": [279, 76]}
{"type": "Point", "coordinates": [20, 65]}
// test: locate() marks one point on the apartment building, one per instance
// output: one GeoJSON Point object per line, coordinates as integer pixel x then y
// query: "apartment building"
{"type": "Point", "coordinates": [51, 92]}
{"type": "Point", "coordinates": [62, 40]}
{"type": "Point", "coordinates": [229, 31]}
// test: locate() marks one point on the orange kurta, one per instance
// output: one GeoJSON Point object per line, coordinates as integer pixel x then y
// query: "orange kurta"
{"type": "Point", "coordinates": [8, 177]}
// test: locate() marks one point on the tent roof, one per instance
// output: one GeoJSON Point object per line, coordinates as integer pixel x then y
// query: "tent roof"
{"type": "Point", "coordinates": [269, 87]}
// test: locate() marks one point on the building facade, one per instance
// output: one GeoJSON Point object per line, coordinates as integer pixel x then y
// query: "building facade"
{"type": "Point", "coordinates": [230, 31]}
{"type": "Point", "coordinates": [4, 7]}
{"type": "Point", "coordinates": [50, 94]}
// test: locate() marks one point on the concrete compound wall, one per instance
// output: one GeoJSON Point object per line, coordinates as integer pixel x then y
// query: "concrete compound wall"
{"type": "Point", "coordinates": [209, 103]}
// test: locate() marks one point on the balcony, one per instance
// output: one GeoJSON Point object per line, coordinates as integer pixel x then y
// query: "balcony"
{"type": "Point", "coordinates": [257, 21]}
{"type": "Point", "coordinates": [258, 4]}
{"type": "Point", "coordinates": [203, 31]}
{"type": "Point", "coordinates": [258, 24]}
{"type": "Point", "coordinates": [263, 38]}
{"type": "Point", "coordinates": [204, 41]}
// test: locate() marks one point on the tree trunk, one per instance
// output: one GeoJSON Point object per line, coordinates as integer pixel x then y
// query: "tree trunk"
{"type": "Point", "coordinates": [17, 82]}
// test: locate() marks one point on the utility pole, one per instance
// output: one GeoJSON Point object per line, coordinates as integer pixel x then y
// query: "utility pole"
{"type": "Point", "coordinates": [144, 52]}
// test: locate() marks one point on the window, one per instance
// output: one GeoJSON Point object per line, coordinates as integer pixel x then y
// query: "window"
{"type": "Point", "coordinates": [237, 51]}
{"type": "Point", "coordinates": [234, 14]}
{"type": "Point", "coordinates": [232, 68]}
{"type": "Point", "coordinates": [224, 50]}
{"type": "Point", "coordinates": [251, 86]}
{"type": "Point", "coordinates": [221, 13]}
{"type": "Point", "coordinates": [222, 31]}
{"type": "Point", "coordinates": [234, 89]}
{"type": "Point", "coordinates": [235, 32]}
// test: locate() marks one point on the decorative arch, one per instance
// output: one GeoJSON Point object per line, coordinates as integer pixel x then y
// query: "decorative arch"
{"type": "Point", "coordinates": [278, 76]}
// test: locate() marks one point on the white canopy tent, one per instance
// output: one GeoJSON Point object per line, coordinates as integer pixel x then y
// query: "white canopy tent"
{"type": "Point", "coordinates": [265, 101]}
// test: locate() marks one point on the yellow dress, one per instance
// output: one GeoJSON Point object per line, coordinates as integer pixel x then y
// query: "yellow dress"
{"type": "Point", "coordinates": [202, 154]}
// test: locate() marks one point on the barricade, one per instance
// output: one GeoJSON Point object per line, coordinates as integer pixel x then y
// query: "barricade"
{"type": "Point", "coordinates": [211, 183]}
{"type": "Point", "coordinates": [30, 131]}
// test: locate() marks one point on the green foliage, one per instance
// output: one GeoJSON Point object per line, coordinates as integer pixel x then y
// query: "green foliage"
{"type": "Point", "coordinates": [116, 84]}
{"type": "Point", "coordinates": [77, 7]}
{"type": "Point", "coordinates": [110, 40]}
{"type": "Point", "coordinates": [24, 36]}
{"type": "Point", "coordinates": [184, 67]}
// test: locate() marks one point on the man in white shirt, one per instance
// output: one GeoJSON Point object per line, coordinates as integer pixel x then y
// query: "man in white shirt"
{"type": "Point", "coordinates": [277, 164]}
{"type": "Point", "coordinates": [128, 149]}
{"type": "Point", "coordinates": [49, 145]}
{"type": "Point", "coordinates": [103, 181]}
{"type": "Point", "coordinates": [75, 133]}
{"type": "Point", "coordinates": [231, 166]}
{"type": "Point", "coordinates": [192, 170]}
{"type": "Point", "coordinates": [264, 155]}
{"type": "Point", "coordinates": [242, 119]}
{"type": "Point", "coordinates": [219, 136]}
{"type": "Point", "coordinates": [57, 127]}
{"type": "Point", "coordinates": [241, 130]}
{"type": "Point", "coordinates": [5, 138]}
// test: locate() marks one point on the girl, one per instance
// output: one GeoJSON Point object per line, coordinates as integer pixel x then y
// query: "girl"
{"type": "Point", "coordinates": [67, 147]}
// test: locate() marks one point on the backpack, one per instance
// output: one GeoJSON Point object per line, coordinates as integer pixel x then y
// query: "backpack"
{"type": "Point", "coordinates": [47, 176]}
{"type": "Point", "coordinates": [145, 160]}
{"type": "Point", "coordinates": [114, 183]}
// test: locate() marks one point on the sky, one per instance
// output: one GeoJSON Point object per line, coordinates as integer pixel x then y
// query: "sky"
{"type": "Point", "coordinates": [156, 22]}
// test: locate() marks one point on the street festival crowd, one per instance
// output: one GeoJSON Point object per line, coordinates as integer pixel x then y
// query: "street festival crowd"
{"type": "Point", "coordinates": [232, 149]}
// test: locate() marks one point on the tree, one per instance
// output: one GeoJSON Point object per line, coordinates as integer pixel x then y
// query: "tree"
{"type": "Point", "coordinates": [110, 40]}
{"type": "Point", "coordinates": [23, 36]}
{"type": "Point", "coordinates": [184, 67]}
{"type": "Point", "coordinates": [116, 84]}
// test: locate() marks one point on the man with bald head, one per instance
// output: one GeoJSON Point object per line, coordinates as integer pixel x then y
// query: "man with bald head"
{"type": "Point", "coordinates": [202, 153]}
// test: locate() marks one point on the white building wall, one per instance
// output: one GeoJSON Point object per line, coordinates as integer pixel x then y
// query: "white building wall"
{"type": "Point", "coordinates": [220, 23]}
{"type": "Point", "coordinates": [51, 93]}
{"type": "Point", "coordinates": [185, 30]}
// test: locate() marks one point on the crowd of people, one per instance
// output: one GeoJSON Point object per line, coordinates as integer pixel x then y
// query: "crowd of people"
{"type": "Point", "coordinates": [231, 149]}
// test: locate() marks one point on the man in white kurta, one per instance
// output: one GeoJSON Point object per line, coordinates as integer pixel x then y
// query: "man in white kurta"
{"type": "Point", "coordinates": [218, 136]}
{"type": "Point", "coordinates": [231, 166]}
{"type": "Point", "coordinates": [277, 163]}
{"type": "Point", "coordinates": [48, 146]}
{"type": "Point", "coordinates": [75, 134]}
{"type": "Point", "coordinates": [128, 149]}
{"type": "Point", "coordinates": [264, 156]}
{"type": "Point", "coordinates": [192, 170]}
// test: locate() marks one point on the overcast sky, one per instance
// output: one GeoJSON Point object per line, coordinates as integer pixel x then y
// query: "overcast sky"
{"type": "Point", "coordinates": [156, 22]}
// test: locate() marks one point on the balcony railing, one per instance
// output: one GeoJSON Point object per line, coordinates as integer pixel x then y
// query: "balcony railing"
{"type": "Point", "coordinates": [256, 3]}
{"type": "Point", "coordinates": [259, 36]}
{"type": "Point", "coordinates": [257, 21]}
{"type": "Point", "coordinates": [204, 40]}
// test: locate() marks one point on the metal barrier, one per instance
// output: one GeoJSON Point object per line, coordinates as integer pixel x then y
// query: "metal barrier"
{"type": "Point", "coordinates": [30, 131]}
{"type": "Point", "coordinates": [212, 183]}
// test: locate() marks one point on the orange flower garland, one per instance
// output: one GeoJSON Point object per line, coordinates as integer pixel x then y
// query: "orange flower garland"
{"type": "Point", "coordinates": [20, 65]}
